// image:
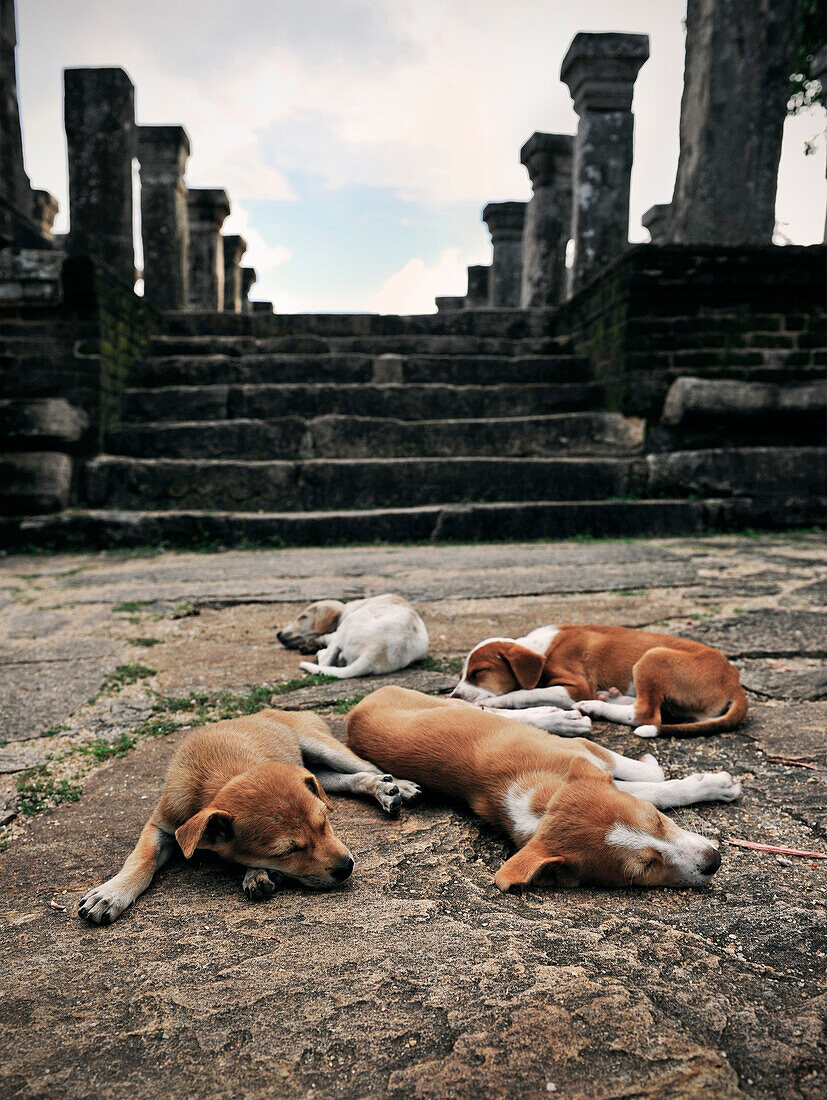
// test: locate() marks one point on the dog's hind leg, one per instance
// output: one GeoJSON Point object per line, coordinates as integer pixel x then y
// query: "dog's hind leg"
{"type": "Point", "coordinates": [390, 793]}
{"type": "Point", "coordinates": [105, 903]}
{"type": "Point", "coordinates": [362, 666]}
{"type": "Point", "coordinates": [339, 769]}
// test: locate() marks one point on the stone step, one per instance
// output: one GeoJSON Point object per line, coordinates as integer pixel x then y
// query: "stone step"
{"type": "Point", "coordinates": [370, 437]}
{"type": "Point", "coordinates": [329, 484]}
{"type": "Point", "coordinates": [376, 344]}
{"type": "Point", "coordinates": [234, 484]}
{"type": "Point", "coordinates": [510, 323]}
{"type": "Point", "coordinates": [507, 520]}
{"type": "Point", "coordinates": [286, 368]}
{"type": "Point", "coordinates": [417, 401]}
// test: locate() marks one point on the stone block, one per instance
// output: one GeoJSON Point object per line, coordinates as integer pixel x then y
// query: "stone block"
{"type": "Point", "coordinates": [505, 222]}
{"type": "Point", "coordinates": [547, 227]}
{"type": "Point", "coordinates": [208, 208]}
{"type": "Point", "coordinates": [163, 153]}
{"type": "Point", "coordinates": [694, 399]}
{"type": "Point", "coordinates": [388, 368]}
{"type": "Point", "coordinates": [34, 482]}
{"type": "Point", "coordinates": [743, 471]}
{"type": "Point", "coordinates": [40, 422]}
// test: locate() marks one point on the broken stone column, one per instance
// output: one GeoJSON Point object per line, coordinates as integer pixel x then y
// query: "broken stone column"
{"type": "Point", "coordinates": [477, 295]}
{"type": "Point", "coordinates": [163, 152]}
{"type": "Point", "coordinates": [208, 208]}
{"type": "Point", "coordinates": [99, 116]}
{"type": "Point", "coordinates": [17, 225]}
{"type": "Point", "coordinates": [548, 160]}
{"type": "Point", "coordinates": [735, 93]}
{"type": "Point", "coordinates": [505, 222]}
{"type": "Point", "coordinates": [818, 71]}
{"type": "Point", "coordinates": [248, 278]}
{"type": "Point", "coordinates": [600, 71]}
{"type": "Point", "coordinates": [656, 220]}
{"type": "Point", "coordinates": [234, 249]}
{"type": "Point", "coordinates": [45, 208]}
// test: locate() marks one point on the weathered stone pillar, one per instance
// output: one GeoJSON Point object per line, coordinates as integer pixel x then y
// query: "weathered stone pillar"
{"type": "Point", "coordinates": [548, 160]}
{"type": "Point", "coordinates": [234, 249]}
{"type": "Point", "coordinates": [735, 92]}
{"type": "Point", "coordinates": [248, 278]}
{"type": "Point", "coordinates": [477, 296]}
{"type": "Point", "coordinates": [163, 152]}
{"type": "Point", "coordinates": [505, 224]}
{"type": "Point", "coordinates": [46, 207]}
{"type": "Point", "coordinates": [818, 71]}
{"type": "Point", "coordinates": [208, 208]}
{"type": "Point", "coordinates": [99, 115]}
{"type": "Point", "coordinates": [600, 71]}
{"type": "Point", "coordinates": [656, 220]}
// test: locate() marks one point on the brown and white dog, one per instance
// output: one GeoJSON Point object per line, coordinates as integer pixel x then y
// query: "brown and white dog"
{"type": "Point", "coordinates": [578, 812]}
{"type": "Point", "coordinates": [654, 682]}
{"type": "Point", "coordinates": [363, 638]}
{"type": "Point", "coordinates": [242, 788]}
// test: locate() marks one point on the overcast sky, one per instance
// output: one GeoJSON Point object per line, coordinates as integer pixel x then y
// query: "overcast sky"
{"type": "Point", "coordinates": [360, 139]}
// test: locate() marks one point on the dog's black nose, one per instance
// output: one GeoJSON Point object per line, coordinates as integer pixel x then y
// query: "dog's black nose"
{"type": "Point", "coordinates": [343, 869]}
{"type": "Point", "coordinates": [711, 863]}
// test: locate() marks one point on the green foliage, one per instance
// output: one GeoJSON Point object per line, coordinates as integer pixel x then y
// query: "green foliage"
{"type": "Point", "coordinates": [131, 605]}
{"type": "Point", "coordinates": [145, 641]}
{"type": "Point", "coordinates": [53, 731]}
{"type": "Point", "coordinates": [342, 706]}
{"type": "Point", "coordinates": [811, 36]}
{"type": "Point", "coordinates": [126, 674]}
{"type": "Point", "coordinates": [38, 791]}
{"type": "Point", "coordinates": [100, 749]}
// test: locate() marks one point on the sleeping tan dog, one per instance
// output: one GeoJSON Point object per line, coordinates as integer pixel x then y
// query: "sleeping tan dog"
{"type": "Point", "coordinates": [242, 788]}
{"type": "Point", "coordinates": [363, 638]}
{"type": "Point", "coordinates": [656, 683]}
{"type": "Point", "coordinates": [578, 813]}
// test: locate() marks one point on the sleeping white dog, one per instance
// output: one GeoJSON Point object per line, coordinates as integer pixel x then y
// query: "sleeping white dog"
{"type": "Point", "coordinates": [362, 638]}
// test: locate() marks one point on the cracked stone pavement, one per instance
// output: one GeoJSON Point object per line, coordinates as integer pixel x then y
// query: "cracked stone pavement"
{"type": "Point", "coordinates": [418, 979]}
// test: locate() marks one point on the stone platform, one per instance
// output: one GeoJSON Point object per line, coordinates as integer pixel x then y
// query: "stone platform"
{"type": "Point", "coordinates": [418, 979]}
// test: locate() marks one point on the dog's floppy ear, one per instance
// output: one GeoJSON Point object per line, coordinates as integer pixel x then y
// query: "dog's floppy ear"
{"type": "Point", "coordinates": [315, 787]}
{"type": "Point", "coordinates": [525, 866]}
{"type": "Point", "coordinates": [204, 830]}
{"type": "Point", "coordinates": [526, 665]}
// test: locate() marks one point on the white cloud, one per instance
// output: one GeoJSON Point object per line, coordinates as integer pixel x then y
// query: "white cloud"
{"type": "Point", "coordinates": [260, 255]}
{"type": "Point", "coordinates": [413, 288]}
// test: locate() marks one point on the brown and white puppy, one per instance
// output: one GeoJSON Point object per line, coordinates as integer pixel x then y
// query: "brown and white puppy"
{"type": "Point", "coordinates": [243, 788]}
{"type": "Point", "coordinates": [578, 813]}
{"type": "Point", "coordinates": [654, 682]}
{"type": "Point", "coordinates": [363, 638]}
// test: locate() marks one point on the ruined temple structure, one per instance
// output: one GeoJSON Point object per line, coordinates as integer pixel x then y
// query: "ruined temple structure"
{"type": "Point", "coordinates": [671, 387]}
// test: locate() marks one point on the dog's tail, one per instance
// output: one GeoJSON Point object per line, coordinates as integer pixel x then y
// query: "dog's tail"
{"type": "Point", "coordinates": [735, 712]}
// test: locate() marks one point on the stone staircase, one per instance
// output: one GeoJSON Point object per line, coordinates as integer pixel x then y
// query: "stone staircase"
{"type": "Point", "coordinates": [288, 430]}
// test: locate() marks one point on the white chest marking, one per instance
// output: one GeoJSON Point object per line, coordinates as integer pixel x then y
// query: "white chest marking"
{"type": "Point", "coordinates": [523, 820]}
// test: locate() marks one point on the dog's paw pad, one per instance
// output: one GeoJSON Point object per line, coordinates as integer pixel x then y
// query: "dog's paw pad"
{"type": "Point", "coordinates": [258, 884]}
{"type": "Point", "coordinates": [102, 905]}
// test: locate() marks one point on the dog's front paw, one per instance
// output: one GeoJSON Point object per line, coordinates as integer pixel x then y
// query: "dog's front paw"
{"type": "Point", "coordinates": [715, 787]}
{"type": "Point", "coordinates": [103, 904]}
{"type": "Point", "coordinates": [259, 883]}
{"type": "Point", "coordinates": [654, 772]}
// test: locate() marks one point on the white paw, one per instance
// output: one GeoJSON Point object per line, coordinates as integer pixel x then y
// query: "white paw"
{"type": "Point", "coordinates": [308, 666]}
{"type": "Point", "coordinates": [595, 707]}
{"type": "Point", "coordinates": [654, 772]}
{"type": "Point", "coordinates": [715, 787]}
{"type": "Point", "coordinates": [104, 903]}
{"type": "Point", "coordinates": [647, 731]}
{"type": "Point", "coordinates": [565, 723]}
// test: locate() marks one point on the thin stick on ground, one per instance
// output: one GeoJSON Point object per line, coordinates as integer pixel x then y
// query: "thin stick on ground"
{"type": "Point", "coordinates": [774, 848]}
{"type": "Point", "coordinates": [793, 763]}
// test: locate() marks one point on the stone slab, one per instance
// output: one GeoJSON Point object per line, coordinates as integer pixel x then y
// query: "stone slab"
{"type": "Point", "coordinates": [768, 633]}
